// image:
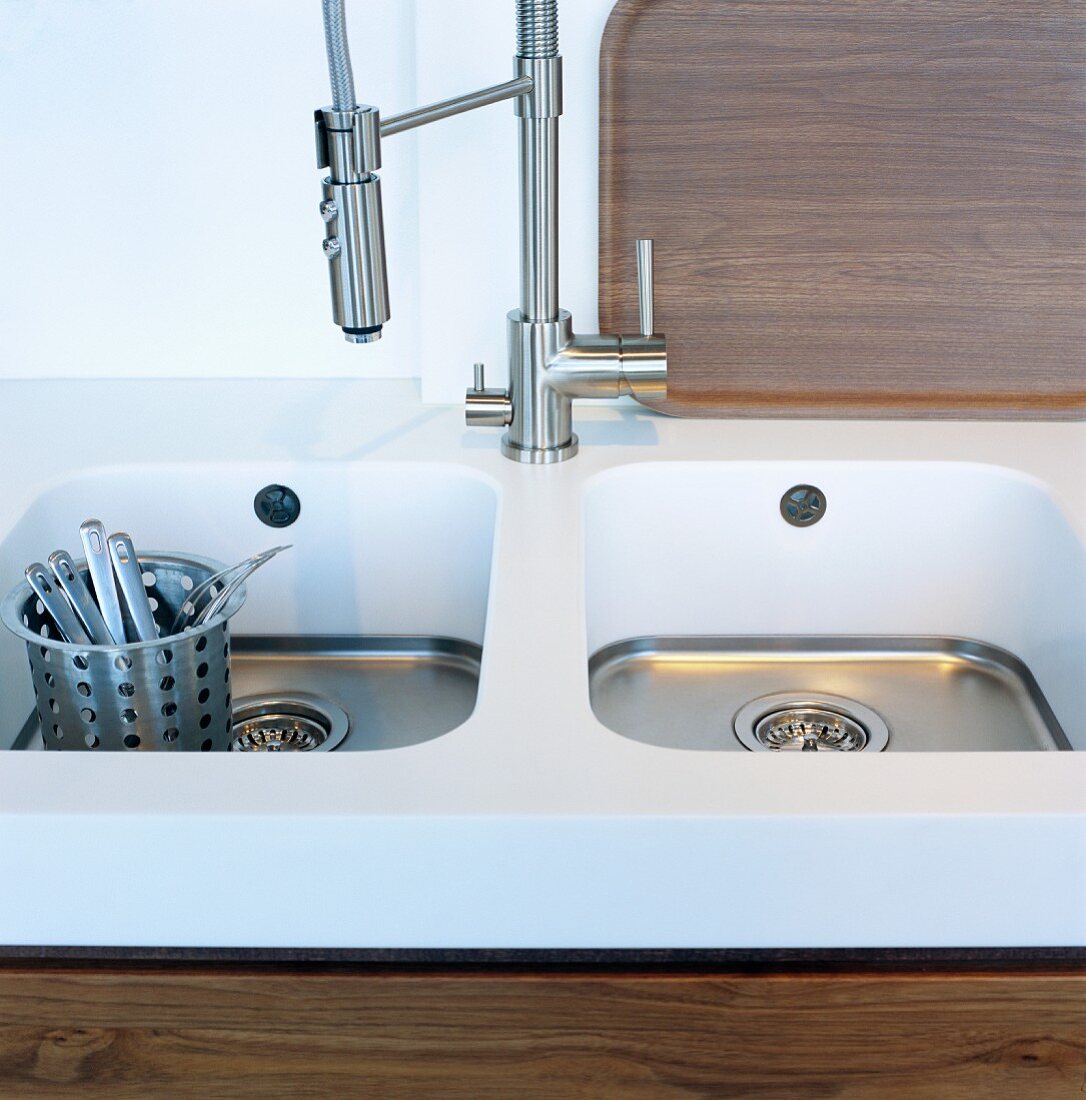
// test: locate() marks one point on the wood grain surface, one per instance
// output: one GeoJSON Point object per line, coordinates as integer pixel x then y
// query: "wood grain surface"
{"type": "Point", "coordinates": [861, 207]}
{"type": "Point", "coordinates": [216, 1031]}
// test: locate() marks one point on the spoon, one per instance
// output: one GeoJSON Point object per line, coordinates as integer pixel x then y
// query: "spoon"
{"type": "Point", "coordinates": [223, 598]}
{"type": "Point", "coordinates": [246, 568]}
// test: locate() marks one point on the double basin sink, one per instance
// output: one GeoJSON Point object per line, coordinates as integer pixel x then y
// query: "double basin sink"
{"type": "Point", "coordinates": [724, 606]}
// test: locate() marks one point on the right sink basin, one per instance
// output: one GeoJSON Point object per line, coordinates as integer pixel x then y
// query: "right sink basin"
{"type": "Point", "coordinates": [837, 606]}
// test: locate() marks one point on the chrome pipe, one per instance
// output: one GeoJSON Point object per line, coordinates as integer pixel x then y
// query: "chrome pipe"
{"type": "Point", "coordinates": [539, 218]}
{"type": "Point", "coordinates": [458, 105]}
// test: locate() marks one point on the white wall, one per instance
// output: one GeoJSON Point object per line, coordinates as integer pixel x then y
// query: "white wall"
{"type": "Point", "coordinates": [158, 190]}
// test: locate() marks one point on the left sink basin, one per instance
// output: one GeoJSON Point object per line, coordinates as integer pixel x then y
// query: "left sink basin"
{"type": "Point", "coordinates": [380, 606]}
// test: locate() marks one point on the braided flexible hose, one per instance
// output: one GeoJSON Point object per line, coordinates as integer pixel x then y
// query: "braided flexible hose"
{"type": "Point", "coordinates": [339, 55]}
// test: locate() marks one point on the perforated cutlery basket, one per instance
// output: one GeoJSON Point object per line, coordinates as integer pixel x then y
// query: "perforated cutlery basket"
{"type": "Point", "coordinates": [168, 695]}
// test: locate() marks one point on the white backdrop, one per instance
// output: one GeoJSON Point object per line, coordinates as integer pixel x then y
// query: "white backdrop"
{"type": "Point", "coordinates": [158, 190]}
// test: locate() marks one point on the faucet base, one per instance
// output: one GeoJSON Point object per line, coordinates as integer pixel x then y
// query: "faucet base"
{"type": "Point", "coordinates": [539, 456]}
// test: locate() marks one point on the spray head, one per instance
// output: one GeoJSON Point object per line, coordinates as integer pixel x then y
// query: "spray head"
{"type": "Point", "coordinates": [349, 145]}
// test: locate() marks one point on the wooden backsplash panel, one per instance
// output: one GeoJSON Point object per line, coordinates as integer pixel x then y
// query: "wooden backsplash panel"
{"type": "Point", "coordinates": [860, 207]}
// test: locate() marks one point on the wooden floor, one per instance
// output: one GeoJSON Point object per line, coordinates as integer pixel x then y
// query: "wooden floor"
{"type": "Point", "coordinates": [188, 1030]}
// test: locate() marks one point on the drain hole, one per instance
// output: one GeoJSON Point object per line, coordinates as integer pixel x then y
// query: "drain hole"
{"type": "Point", "coordinates": [810, 730]}
{"type": "Point", "coordinates": [294, 723]}
{"type": "Point", "coordinates": [792, 723]}
{"type": "Point", "coordinates": [803, 505]}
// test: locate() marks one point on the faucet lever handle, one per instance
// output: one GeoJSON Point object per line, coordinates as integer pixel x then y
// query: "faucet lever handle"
{"type": "Point", "coordinates": [646, 286]}
{"type": "Point", "coordinates": [487, 408]}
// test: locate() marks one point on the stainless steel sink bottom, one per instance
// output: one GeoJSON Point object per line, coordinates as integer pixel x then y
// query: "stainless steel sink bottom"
{"type": "Point", "coordinates": [396, 691]}
{"type": "Point", "coordinates": [935, 694]}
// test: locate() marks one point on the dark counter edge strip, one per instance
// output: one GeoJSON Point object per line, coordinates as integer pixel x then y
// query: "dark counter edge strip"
{"type": "Point", "coordinates": [759, 960]}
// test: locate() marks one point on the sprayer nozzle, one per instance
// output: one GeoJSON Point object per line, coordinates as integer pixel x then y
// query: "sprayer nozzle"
{"type": "Point", "coordinates": [349, 145]}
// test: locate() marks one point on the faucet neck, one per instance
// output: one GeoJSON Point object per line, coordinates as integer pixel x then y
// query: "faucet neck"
{"type": "Point", "coordinates": [538, 114]}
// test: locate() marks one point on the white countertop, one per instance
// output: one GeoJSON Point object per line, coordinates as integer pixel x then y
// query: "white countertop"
{"type": "Point", "coordinates": [531, 825]}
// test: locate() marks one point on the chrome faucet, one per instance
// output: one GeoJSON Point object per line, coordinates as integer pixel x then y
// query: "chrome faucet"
{"type": "Point", "coordinates": [549, 366]}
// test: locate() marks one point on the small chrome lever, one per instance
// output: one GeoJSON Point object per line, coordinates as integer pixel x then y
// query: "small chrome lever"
{"type": "Point", "coordinates": [646, 286]}
{"type": "Point", "coordinates": [487, 408]}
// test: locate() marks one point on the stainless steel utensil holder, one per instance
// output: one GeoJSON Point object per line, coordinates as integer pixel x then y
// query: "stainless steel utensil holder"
{"type": "Point", "coordinates": [168, 695]}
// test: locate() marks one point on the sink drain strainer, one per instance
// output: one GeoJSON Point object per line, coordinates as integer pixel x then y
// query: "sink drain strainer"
{"type": "Point", "coordinates": [288, 723]}
{"type": "Point", "coordinates": [826, 723]}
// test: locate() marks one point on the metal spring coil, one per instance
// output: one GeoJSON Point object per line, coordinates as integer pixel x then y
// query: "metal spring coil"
{"type": "Point", "coordinates": [537, 28]}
